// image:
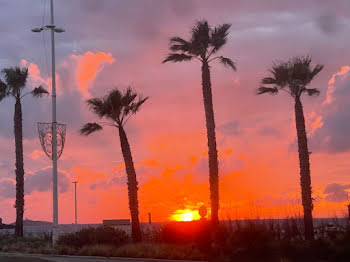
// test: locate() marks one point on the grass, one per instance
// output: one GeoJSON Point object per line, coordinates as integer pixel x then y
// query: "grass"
{"type": "Point", "coordinates": [140, 250]}
{"type": "Point", "coordinates": [28, 244]}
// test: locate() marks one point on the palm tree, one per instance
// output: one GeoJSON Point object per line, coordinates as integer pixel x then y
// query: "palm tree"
{"type": "Point", "coordinates": [13, 86]}
{"type": "Point", "coordinates": [204, 45]}
{"type": "Point", "coordinates": [117, 107]}
{"type": "Point", "coordinates": [293, 77]}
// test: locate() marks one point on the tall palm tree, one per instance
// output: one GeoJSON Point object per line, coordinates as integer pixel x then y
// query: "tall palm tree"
{"type": "Point", "coordinates": [117, 107]}
{"type": "Point", "coordinates": [15, 79]}
{"type": "Point", "coordinates": [203, 46]}
{"type": "Point", "coordinates": [293, 77]}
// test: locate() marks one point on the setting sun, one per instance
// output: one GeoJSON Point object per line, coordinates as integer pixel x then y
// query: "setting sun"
{"type": "Point", "coordinates": [185, 215]}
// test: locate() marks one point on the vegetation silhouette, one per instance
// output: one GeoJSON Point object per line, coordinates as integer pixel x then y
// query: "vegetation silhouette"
{"type": "Point", "coordinates": [293, 77]}
{"type": "Point", "coordinates": [15, 79]}
{"type": "Point", "coordinates": [117, 107]}
{"type": "Point", "coordinates": [203, 45]}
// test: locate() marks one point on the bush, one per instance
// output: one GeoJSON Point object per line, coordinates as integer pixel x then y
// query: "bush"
{"type": "Point", "coordinates": [250, 240]}
{"type": "Point", "coordinates": [94, 236]}
{"type": "Point", "coordinates": [264, 240]}
{"type": "Point", "coordinates": [198, 232]}
{"type": "Point", "coordinates": [27, 244]}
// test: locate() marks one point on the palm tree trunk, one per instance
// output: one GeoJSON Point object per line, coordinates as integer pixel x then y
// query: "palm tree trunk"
{"type": "Point", "coordinates": [132, 186]}
{"type": "Point", "coordinates": [213, 153]}
{"type": "Point", "coordinates": [19, 169]}
{"type": "Point", "coordinates": [304, 163]}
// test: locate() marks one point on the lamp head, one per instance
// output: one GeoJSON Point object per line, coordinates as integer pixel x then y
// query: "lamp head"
{"type": "Point", "coordinates": [37, 30]}
{"type": "Point", "coordinates": [59, 30]}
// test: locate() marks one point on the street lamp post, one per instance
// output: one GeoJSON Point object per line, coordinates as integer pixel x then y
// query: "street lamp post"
{"type": "Point", "coordinates": [75, 201]}
{"type": "Point", "coordinates": [53, 30]}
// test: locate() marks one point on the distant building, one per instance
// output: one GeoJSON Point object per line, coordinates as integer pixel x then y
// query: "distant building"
{"type": "Point", "coordinates": [122, 224]}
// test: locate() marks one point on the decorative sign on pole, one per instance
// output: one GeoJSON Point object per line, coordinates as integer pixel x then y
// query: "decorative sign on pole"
{"type": "Point", "coordinates": [45, 136]}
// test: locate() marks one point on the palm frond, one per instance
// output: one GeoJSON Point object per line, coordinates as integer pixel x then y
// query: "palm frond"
{"type": "Point", "coordinates": [128, 97]}
{"type": "Point", "coordinates": [302, 60]}
{"type": "Point", "coordinates": [280, 73]}
{"type": "Point", "coordinates": [218, 37]}
{"type": "Point", "coordinates": [200, 38]}
{"type": "Point", "coordinates": [3, 90]}
{"type": "Point", "coordinates": [39, 91]}
{"type": "Point", "coordinates": [318, 68]}
{"type": "Point", "coordinates": [89, 128]}
{"type": "Point", "coordinates": [99, 106]}
{"type": "Point", "coordinates": [270, 90]}
{"type": "Point", "coordinates": [173, 57]}
{"type": "Point", "coordinates": [179, 44]}
{"type": "Point", "coordinates": [177, 40]}
{"type": "Point", "coordinates": [228, 62]}
{"type": "Point", "coordinates": [268, 81]}
{"type": "Point", "coordinates": [312, 91]}
{"type": "Point", "coordinates": [136, 107]}
{"type": "Point", "coordinates": [127, 101]}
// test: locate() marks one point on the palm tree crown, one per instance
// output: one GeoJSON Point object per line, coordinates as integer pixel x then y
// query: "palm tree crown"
{"type": "Point", "coordinates": [15, 82]}
{"type": "Point", "coordinates": [205, 42]}
{"type": "Point", "coordinates": [116, 107]}
{"type": "Point", "coordinates": [292, 77]}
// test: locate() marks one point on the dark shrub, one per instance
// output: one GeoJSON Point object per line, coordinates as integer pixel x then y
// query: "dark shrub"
{"type": "Point", "coordinates": [193, 232]}
{"type": "Point", "coordinates": [253, 242]}
{"type": "Point", "coordinates": [93, 236]}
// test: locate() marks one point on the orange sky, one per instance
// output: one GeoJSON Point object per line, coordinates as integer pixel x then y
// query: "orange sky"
{"type": "Point", "coordinates": [257, 179]}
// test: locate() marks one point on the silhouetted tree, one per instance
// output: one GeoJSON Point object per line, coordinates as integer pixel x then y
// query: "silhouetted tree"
{"type": "Point", "coordinates": [293, 77]}
{"type": "Point", "coordinates": [117, 108]}
{"type": "Point", "coordinates": [13, 86]}
{"type": "Point", "coordinates": [203, 46]}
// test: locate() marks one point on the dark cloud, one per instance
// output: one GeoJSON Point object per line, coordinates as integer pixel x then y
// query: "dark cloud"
{"type": "Point", "coordinates": [119, 177]}
{"type": "Point", "coordinates": [42, 181]}
{"type": "Point", "coordinates": [336, 192]}
{"type": "Point", "coordinates": [329, 24]}
{"type": "Point", "coordinates": [230, 128]}
{"type": "Point", "coordinates": [269, 131]}
{"type": "Point", "coordinates": [6, 165]}
{"type": "Point", "coordinates": [94, 5]}
{"type": "Point", "coordinates": [183, 8]}
{"type": "Point", "coordinates": [7, 188]}
{"type": "Point", "coordinates": [39, 181]}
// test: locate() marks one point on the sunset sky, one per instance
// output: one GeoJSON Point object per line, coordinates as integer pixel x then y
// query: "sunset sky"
{"type": "Point", "coordinates": [115, 43]}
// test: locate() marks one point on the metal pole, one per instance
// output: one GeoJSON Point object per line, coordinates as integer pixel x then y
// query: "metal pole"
{"type": "Point", "coordinates": [75, 194]}
{"type": "Point", "coordinates": [149, 218]}
{"type": "Point", "coordinates": [54, 134]}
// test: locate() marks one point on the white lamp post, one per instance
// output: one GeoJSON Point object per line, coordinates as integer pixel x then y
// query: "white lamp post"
{"type": "Point", "coordinates": [54, 30]}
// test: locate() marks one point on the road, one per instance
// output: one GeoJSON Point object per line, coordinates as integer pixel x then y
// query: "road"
{"type": "Point", "coordinates": [7, 257]}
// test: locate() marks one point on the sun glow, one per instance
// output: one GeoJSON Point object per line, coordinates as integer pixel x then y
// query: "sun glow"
{"type": "Point", "coordinates": [185, 215]}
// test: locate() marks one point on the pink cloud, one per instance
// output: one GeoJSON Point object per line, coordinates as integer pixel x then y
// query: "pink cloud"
{"type": "Point", "coordinates": [88, 66]}
{"type": "Point", "coordinates": [344, 70]}
{"type": "Point", "coordinates": [36, 154]}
